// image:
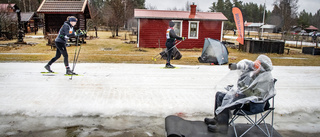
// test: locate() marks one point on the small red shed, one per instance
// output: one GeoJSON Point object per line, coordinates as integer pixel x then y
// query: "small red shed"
{"type": "Point", "coordinates": [196, 26]}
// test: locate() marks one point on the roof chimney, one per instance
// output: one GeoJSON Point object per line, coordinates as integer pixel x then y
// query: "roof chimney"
{"type": "Point", "coordinates": [193, 9]}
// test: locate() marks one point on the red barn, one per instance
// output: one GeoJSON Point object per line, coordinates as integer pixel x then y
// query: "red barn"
{"type": "Point", "coordinates": [196, 26]}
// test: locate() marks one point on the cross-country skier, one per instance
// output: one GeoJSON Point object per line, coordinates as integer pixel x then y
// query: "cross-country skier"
{"type": "Point", "coordinates": [171, 37]}
{"type": "Point", "coordinates": [65, 32]}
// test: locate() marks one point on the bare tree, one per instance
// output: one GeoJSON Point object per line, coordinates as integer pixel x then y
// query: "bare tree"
{"type": "Point", "coordinates": [118, 12]}
{"type": "Point", "coordinates": [8, 23]}
{"type": "Point", "coordinates": [188, 6]}
{"type": "Point", "coordinates": [115, 15]}
{"type": "Point", "coordinates": [25, 5]}
{"type": "Point", "coordinates": [151, 7]}
{"type": "Point", "coordinates": [97, 13]}
{"type": "Point", "coordinates": [287, 10]}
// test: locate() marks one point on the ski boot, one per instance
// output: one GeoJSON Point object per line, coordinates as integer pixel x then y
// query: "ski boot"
{"type": "Point", "coordinates": [47, 67]}
{"type": "Point", "coordinates": [223, 129]}
{"type": "Point", "coordinates": [211, 121]}
{"type": "Point", "coordinates": [168, 65]}
{"type": "Point", "coordinates": [70, 72]}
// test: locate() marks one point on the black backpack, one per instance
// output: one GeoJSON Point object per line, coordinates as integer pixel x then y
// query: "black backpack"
{"type": "Point", "coordinates": [176, 55]}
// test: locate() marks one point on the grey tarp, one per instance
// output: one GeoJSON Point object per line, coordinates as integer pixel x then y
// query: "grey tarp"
{"type": "Point", "coordinates": [214, 51]}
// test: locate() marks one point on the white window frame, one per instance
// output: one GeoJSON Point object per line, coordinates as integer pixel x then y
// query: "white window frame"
{"type": "Point", "coordinates": [221, 34]}
{"type": "Point", "coordinates": [189, 37]}
{"type": "Point", "coordinates": [180, 21]}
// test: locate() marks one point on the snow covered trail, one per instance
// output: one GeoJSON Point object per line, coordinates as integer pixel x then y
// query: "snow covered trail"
{"type": "Point", "coordinates": [107, 90]}
{"type": "Point", "coordinates": [112, 90]}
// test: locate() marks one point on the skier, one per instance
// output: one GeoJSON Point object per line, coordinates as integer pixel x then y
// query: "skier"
{"type": "Point", "coordinates": [314, 36]}
{"type": "Point", "coordinates": [171, 37]}
{"type": "Point", "coordinates": [254, 84]}
{"type": "Point", "coordinates": [65, 32]}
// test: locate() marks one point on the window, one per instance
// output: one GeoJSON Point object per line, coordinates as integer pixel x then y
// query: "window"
{"type": "Point", "coordinates": [193, 29]}
{"type": "Point", "coordinates": [178, 27]}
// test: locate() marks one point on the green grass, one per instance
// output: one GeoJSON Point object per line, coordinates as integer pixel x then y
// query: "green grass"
{"type": "Point", "coordinates": [113, 50]}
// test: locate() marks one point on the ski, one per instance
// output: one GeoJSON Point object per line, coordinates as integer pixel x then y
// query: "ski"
{"type": "Point", "coordinates": [170, 68]}
{"type": "Point", "coordinates": [55, 73]}
{"type": "Point", "coordinates": [72, 75]}
{"type": "Point", "coordinates": [49, 73]}
{"type": "Point", "coordinates": [181, 68]}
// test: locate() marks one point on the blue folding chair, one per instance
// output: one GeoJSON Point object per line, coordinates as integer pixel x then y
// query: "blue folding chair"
{"type": "Point", "coordinates": [249, 109]}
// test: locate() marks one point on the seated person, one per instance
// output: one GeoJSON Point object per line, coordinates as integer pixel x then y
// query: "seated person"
{"type": "Point", "coordinates": [255, 84]}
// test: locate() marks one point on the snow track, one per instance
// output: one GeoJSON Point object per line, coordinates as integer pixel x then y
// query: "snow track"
{"type": "Point", "coordinates": [144, 90]}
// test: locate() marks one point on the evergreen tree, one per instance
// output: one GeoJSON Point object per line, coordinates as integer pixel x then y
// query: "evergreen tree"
{"type": "Point", "coordinates": [220, 6]}
{"type": "Point", "coordinates": [228, 10]}
{"type": "Point", "coordinates": [316, 19]}
{"type": "Point", "coordinates": [237, 3]}
{"type": "Point", "coordinates": [304, 19]}
{"type": "Point", "coordinates": [217, 6]}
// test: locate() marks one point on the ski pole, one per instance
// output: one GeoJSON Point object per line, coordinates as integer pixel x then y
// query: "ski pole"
{"type": "Point", "coordinates": [77, 56]}
{"type": "Point", "coordinates": [156, 56]}
{"type": "Point", "coordinates": [74, 58]}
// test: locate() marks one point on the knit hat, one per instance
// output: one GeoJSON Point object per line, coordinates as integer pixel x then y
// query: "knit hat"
{"type": "Point", "coordinates": [73, 19]}
{"type": "Point", "coordinates": [171, 24]}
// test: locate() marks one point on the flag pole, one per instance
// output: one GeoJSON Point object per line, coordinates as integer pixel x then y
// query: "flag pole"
{"type": "Point", "coordinates": [264, 16]}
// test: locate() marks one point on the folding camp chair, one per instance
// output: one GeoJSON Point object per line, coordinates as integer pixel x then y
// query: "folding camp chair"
{"type": "Point", "coordinates": [248, 109]}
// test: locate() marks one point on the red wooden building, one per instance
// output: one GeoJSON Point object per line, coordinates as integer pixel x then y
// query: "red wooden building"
{"type": "Point", "coordinates": [196, 26]}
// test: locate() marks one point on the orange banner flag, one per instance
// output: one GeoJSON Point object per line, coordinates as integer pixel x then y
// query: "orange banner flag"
{"type": "Point", "coordinates": [238, 19]}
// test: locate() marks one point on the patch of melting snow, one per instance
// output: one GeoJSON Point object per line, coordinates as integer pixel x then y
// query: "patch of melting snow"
{"type": "Point", "coordinates": [287, 58]}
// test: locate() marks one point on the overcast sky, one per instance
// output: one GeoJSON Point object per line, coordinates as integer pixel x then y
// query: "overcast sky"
{"type": "Point", "coordinates": [309, 5]}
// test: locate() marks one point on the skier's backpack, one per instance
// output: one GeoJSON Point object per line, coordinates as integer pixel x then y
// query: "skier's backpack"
{"type": "Point", "coordinates": [176, 55]}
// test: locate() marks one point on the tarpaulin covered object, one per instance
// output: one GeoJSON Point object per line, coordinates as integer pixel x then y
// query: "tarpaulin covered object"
{"type": "Point", "coordinates": [214, 52]}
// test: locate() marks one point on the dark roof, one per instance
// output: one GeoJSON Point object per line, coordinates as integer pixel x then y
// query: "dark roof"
{"type": "Point", "coordinates": [49, 6]}
{"type": "Point", "coordinates": [165, 14]}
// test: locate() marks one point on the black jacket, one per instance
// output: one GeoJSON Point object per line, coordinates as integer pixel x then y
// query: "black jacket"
{"type": "Point", "coordinates": [65, 32]}
{"type": "Point", "coordinates": [171, 37]}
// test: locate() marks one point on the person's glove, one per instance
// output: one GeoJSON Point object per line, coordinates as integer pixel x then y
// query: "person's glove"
{"type": "Point", "coordinates": [80, 32]}
{"type": "Point", "coordinates": [232, 66]}
{"type": "Point", "coordinates": [83, 32]}
{"type": "Point", "coordinates": [184, 38]}
{"type": "Point", "coordinates": [77, 32]}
